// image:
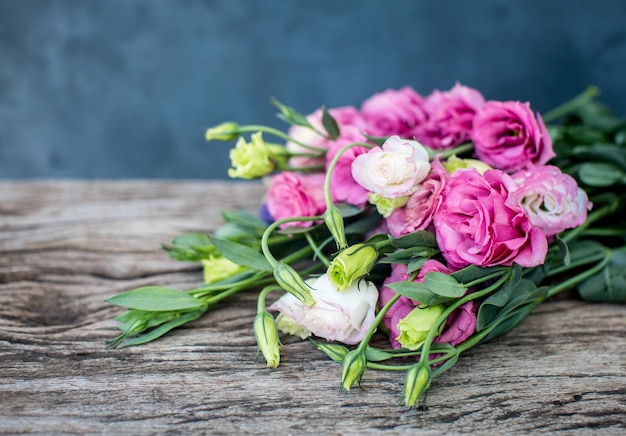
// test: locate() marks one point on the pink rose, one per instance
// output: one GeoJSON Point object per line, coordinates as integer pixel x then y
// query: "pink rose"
{"type": "Point", "coordinates": [450, 117]}
{"type": "Point", "coordinates": [507, 136]}
{"type": "Point", "coordinates": [479, 222]}
{"type": "Point", "coordinates": [393, 112]}
{"type": "Point", "coordinates": [552, 200]}
{"type": "Point", "coordinates": [345, 116]}
{"type": "Point", "coordinates": [420, 209]}
{"type": "Point", "coordinates": [393, 170]}
{"type": "Point", "coordinates": [343, 187]}
{"type": "Point", "coordinates": [460, 325]}
{"type": "Point", "coordinates": [292, 194]}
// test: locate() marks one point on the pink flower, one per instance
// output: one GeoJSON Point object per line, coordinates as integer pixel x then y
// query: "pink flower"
{"type": "Point", "coordinates": [479, 222]}
{"type": "Point", "coordinates": [552, 200]}
{"type": "Point", "coordinates": [393, 112]}
{"type": "Point", "coordinates": [507, 136]}
{"type": "Point", "coordinates": [460, 325]}
{"type": "Point", "coordinates": [292, 194]}
{"type": "Point", "coordinates": [345, 116]}
{"type": "Point", "coordinates": [420, 209]}
{"type": "Point", "coordinates": [393, 170]}
{"type": "Point", "coordinates": [450, 117]}
{"type": "Point", "coordinates": [343, 187]}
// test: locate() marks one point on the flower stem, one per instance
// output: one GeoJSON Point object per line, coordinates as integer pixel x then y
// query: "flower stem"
{"type": "Point", "coordinates": [570, 106]}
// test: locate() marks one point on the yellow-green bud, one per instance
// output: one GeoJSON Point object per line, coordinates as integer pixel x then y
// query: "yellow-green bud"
{"type": "Point", "coordinates": [223, 132]}
{"type": "Point", "coordinates": [354, 364]}
{"type": "Point", "coordinates": [416, 383]}
{"type": "Point", "coordinates": [454, 163]}
{"type": "Point", "coordinates": [350, 265]}
{"type": "Point", "coordinates": [288, 325]}
{"type": "Point", "coordinates": [415, 326]}
{"type": "Point", "coordinates": [385, 206]}
{"type": "Point", "coordinates": [267, 338]}
{"type": "Point", "coordinates": [253, 159]}
{"type": "Point", "coordinates": [334, 222]}
{"type": "Point", "coordinates": [288, 279]}
{"type": "Point", "coordinates": [335, 351]}
{"type": "Point", "coordinates": [218, 268]}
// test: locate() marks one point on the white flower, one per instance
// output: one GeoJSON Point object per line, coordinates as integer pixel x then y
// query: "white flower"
{"type": "Point", "coordinates": [394, 170]}
{"type": "Point", "coordinates": [335, 316]}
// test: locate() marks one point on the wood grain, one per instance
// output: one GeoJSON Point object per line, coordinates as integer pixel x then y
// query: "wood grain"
{"type": "Point", "coordinates": [66, 246]}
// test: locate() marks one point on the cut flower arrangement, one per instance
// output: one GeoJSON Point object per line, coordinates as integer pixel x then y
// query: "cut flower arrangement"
{"type": "Point", "coordinates": [440, 221]}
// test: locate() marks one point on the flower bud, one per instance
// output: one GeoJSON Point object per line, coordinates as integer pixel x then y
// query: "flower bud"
{"type": "Point", "coordinates": [267, 338]}
{"type": "Point", "coordinates": [385, 206]}
{"type": "Point", "coordinates": [454, 163]}
{"type": "Point", "coordinates": [335, 351]}
{"type": "Point", "coordinates": [416, 383]}
{"type": "Point", "coordinates": [218, 268]}
{"type": "Point", "coordinates": [288, 279]}
{"type": "Point", "coordinates": [354, 364]}
{"type": "Point", "coordinates": [415, 326]}
{"type": "Point", "coordinates": [334, 222]}
{"type": "Point", "coordinates": [255, 158]}
{"type": "Point", "coordinates": [350, 265]}
{"type": "Point", "coordinates": [223, 132]}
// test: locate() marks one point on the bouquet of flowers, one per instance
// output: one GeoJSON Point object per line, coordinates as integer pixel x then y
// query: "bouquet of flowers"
{"type": "Point", "coordinates": [439, 221]}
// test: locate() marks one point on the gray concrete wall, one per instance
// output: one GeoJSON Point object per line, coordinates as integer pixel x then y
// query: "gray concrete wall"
{"type": "Point", "coordinates": [125, 88]}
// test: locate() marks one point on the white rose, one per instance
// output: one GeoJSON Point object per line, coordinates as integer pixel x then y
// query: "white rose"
{"type": "Point", "coordinates": [394, 170]}
{"type": "Point", "coordinates": [336, 316]}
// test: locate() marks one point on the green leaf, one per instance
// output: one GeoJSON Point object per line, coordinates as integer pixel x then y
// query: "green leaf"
{"type": "Point", "coordinates": [600, 174]}
{"type": "Point", "coordinates": [330, 124]}
{"type": "Point", "coordinates": [608, 285]}
{"type": "Point", "coordinates": [244, 219]}
{"type": "Point", "coordinates": [156, 299]}
{"type": "Point", "coordinates": [242, 254]}
{"type": "Point", "coordinates": [164, 328]}
{"type": "Point", "coordinates": [290, 115]}
{"type": "Point", "coordinates": [420, 238]}
{"type": "Point", "coordinates": [418, 292]}
{"type": "Point", "coordinates": [444, 285]}
{"type": "Point", "coordinates": [511, 320]}
{"type": "Point", "coordinates": [610, 153]}
{"type": "Point", "coordinates": [472, 273]}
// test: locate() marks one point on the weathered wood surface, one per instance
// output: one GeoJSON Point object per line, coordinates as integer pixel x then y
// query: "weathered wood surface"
{"type": "Point", "coordinates": [66, 246]}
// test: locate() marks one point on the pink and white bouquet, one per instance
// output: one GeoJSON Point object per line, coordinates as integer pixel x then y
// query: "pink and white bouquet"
{"type": "Point", "coordinates": [440, 221]}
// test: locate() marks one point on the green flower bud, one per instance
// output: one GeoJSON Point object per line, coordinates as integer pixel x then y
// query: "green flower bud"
{"type": "Point", "coordinates": [354, 364]}
{"type": "Point", "coordinates": [223, 132]}
{"type": "Point", "coordinates": [416, 383]}
{"type": "Point", "coordinates": [288, 325]}
{"type": "Point", "coordinates": [350, 265]}
{"type": "Point", "coordinates": [267, 338]}
{"type": "Point", "coordinates": [454, 163]}
{"type": "Point", "coordinates": [415, 326]}
{"type": "Point", "coordinates": [255, 158]}
{"type": "Point", "coordinates": [288, 279]}
{"type": "Point", "coordinates": [385, 206]}
{"type": "Point", "coordinates": [334, 222]}
{"type": "Point", "coordinates": [218, 268]}
{"type": "Point", "coordinates": [335, 351]}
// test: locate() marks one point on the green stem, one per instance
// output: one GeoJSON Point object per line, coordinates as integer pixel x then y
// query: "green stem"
{"type": "Point", "coordinates": [316, 249]}
{"type": "Point", "coordinates": [591, 218]}
{"type": "Point", "coordinates": [573, 281]}
{"type": "Point", "coordinates": [460, 149]}
{"type": "Point", "coordinates": [279, 133]}
{"type": "Point", "coordinates": [268, 231]}
{"type": "Point", "coordinates": [379, 317]}
{"type": "Point", "coordinates": [570, 106]}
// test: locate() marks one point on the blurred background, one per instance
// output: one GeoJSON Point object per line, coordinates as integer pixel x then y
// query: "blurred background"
{"type": "Point", "coordinates": [126, 88]}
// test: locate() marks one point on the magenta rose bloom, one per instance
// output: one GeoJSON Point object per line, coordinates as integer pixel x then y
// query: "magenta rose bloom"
{"type": "Point", "coordinates": [552, 200]}
{"type": "Point", "coordinates": [343, 187]}
{"type": "Point", "coordinates": [479, 222]}
{"type": "Point", "coordinates": [292, 194]}
{"type": "Point", "coordinates": [450, 117]}
{"type": "Point", "coordinates": [420, 209]}
{"type": "Point", "coordinates": [393, 112]}
{"type": "Point", "coordinates": [508, 136]}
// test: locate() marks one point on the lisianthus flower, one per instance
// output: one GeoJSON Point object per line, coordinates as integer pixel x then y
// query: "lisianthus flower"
{"type": "Point", "coordinates": [393, 170]}
{"type": "Point", "coordinates": [414, 327]}
{"type": "Point", "coordinates": [479, 222]}
{"type": "Point", "coordinates": [217, 268]}
{"type": "Point", "coordinates": [553, 200]}
{"type": "Point", "coordinates": [336, 316]}
{"type": "Point", "coordinates": [460, 325]}
{"type": "Point", "coordinates": [256, 158]}
{"type": "Point", "coordinates": [420, 208]}
{"type": "Point", "coordinates": [344, 116]}
{"type": "Point", "coordinates": [450, 117]}
{"type": "Point", "coordinates": [508, 136]}
{"type": "Point", "coordinates": [393, 112]}
{"type": "Point", "coordinates": [350, 265]}
{"type": "Point", "coordinates": [292, 195]}
{"type": "Point", "coordinates": [343, 187]}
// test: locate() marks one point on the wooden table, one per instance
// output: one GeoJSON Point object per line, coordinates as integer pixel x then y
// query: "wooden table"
{"type": "Point", "coordinates": [67, 245]}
